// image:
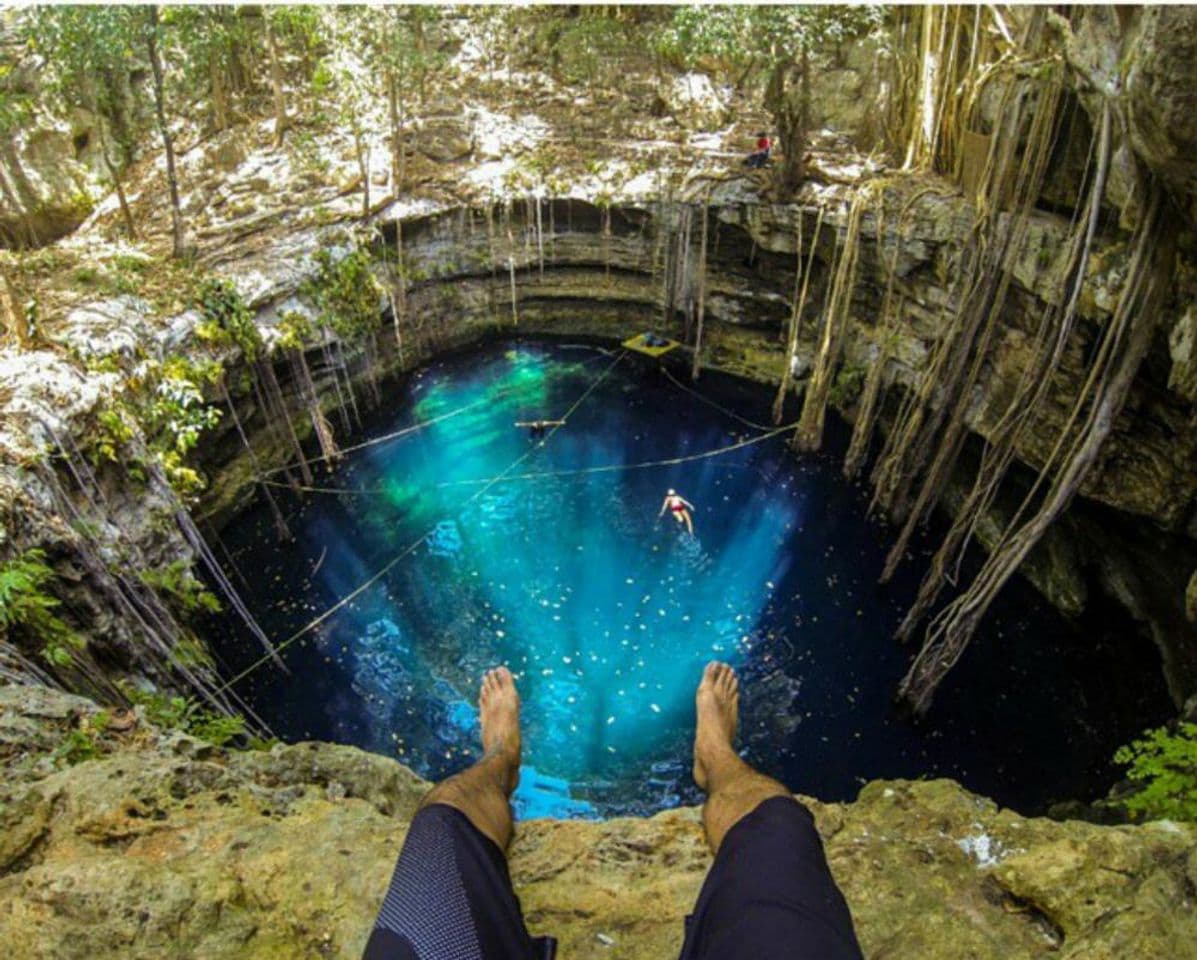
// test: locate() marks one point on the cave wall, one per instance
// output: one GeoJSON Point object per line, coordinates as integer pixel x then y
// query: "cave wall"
{"type": "Point", "coordinates": [1131, 534]}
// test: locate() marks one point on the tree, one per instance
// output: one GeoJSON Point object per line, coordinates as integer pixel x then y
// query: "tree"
{"type": "Point", "coordinates": [350, 85]}
{"type": "Point", "coordinates": [399, 40]}
{"type": "Point", "coordinates": [89, 51]}
{"type": "Point", "coordinates": [16, 107]}
{"type": "Point", "coordinates": [776, 42]}
{"type": "Point", "coordinates": [151, 33]}
{"type": "Point", "coordinates": [1166, 765]}
{"type": "Point", "coordinates": [285, 26]}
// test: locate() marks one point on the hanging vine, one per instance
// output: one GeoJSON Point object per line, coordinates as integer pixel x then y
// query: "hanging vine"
{"type": "Point", "coordinates": [1019, 417]}
{"type": "Point", "coordinates": [799, 304]}
{"type": "Point", "coordinates": [700, 296]}
{"type": "Point", "coordinates": [1124, 344]}
{"type": "Point", "coordinates": [1013, 176]}
{"type": "Point", "coordinates": [808, 435]}
{"type": "Point", "coordinates": [980, 318]}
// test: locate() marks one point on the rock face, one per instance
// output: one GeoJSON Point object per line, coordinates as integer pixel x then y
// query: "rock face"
{"type": "Point", "coordinates": [166, 846]}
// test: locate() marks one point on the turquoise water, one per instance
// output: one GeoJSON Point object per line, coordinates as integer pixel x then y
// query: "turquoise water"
{"type": "Point", "coordinates": [606, 612]}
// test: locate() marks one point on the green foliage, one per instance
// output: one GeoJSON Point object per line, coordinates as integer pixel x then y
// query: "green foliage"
{"type": "Point", "coordinates": [770, 41]}
{"type": "Point", "coordinates": [591, 46]}
{"type": "Point", "coordinates": [184, 713]}
{"type": "Point", "coordinates": [769, 35]}
{"type": "Point", "coordinates": [27, 611]}
{"type": "Point", "coordinates": [113, 431]}
{"type": "Point", "coordinates": [91, 52]}
{"type": "Point", "coordinates": [295, 330]}
{"type": "Point", "coordinates": [849, 381]}
{"type": "Point", "coordinates": [1165, 763]}
{"type": "Point", "coordinates": [345, 293]}
{"type": "Point", "coordinates": [217, 729]}
{"type": "Point", "coordinates": [175, 414]}
{"type": "Point", "coordinates": [227, 320]}
{"type": "Point", "coordinates": [83, 743]}
{"type": "Point", "coordinates": [177, 581]}
{"type": "Point", "coordinates": [403, 44]}
{"type": "Point", "coordinates": [16, 105]}
{"type": "Point", "coordinates": [303, 145]}
{"type": "Point", "coordinates": [124, 276]}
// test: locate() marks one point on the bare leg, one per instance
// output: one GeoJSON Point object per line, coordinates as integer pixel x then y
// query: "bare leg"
{"type": "Point", "coordinates": [733, 788]}
{"type": "Point", "coordinates": [689, 522]}
{"type": "Point", "coordinates": [483, 791]}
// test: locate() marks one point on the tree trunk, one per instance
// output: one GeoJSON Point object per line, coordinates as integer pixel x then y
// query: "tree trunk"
{"type": "Point", "coordinates": [362, 152]}
{"type": "Point", "coordinates": [790, 121]}
{"type": "Point", "coordinates": [220, 96]}
{"type": "Point", "coordinates": [126, 215]}
{"type": "Point", "coordinates": [176, 220]}
{"type": "Point", "coordinates": [398, 149]}
{"type": "Point", "coordinates": [276, 84]}
{"type": "Point", "coordinates": [1125, 344]}
{"type": "Point", "coordinates": [12, 310]}
{"type": "Point", "coordinates": [696, 368]}
{"type": "Point", "coordinates": [787, 373]}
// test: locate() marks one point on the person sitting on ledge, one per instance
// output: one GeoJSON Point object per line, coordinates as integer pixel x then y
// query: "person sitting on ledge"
{"type": "Point", "coordinates": [769, 893]}
{"type": "Point", "coordinates": [760, 157]}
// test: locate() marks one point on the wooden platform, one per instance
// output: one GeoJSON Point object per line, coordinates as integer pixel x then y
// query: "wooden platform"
{"type": "Point", "coordinates": [640, 343]}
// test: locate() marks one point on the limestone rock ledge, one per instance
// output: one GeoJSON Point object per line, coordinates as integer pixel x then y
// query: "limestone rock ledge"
{"type": "Point", "coordinates": [164, 846]}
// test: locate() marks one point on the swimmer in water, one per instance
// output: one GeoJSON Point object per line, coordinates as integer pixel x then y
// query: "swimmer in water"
{"type": "Point", "coordinates": [680, 508]}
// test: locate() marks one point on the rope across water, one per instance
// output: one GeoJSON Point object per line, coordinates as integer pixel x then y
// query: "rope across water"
{"type": "Point", "coordinates": [397, 434]}
{"type": "Point", "coordinates": [406, 551]}
{"type": "Point", "coordinates": [767, 433]}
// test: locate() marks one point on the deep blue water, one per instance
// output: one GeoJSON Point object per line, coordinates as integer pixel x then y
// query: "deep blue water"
{"type": "Point", "coordinates": [607, 614]}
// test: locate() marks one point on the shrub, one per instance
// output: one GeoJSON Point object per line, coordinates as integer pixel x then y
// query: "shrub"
{"type": "Point", "coordinates": [113, 431]}
{"type": "Point", "coordinates": [294, 330]}
{"type": "Point", "coordinates": [345, 293]}
{"type": "Point", "coordinates": [227, 320]}
{"type": "Point", "coordinates": [846, 389]}
{"type": "Point", "coordinates": [26, 609]}
{"type": "Point", "coordinates": [177, 581]}
{"type": "Point", "coordinates": [83, 743]}
{"type": "Point", "coordinates": [1165, 763]}
{"type": "Point", "coordinates": [184, 713]}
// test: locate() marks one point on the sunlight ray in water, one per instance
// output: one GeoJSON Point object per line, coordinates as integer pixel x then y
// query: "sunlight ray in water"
{"type": "Point", "coordinates": [607, 611]}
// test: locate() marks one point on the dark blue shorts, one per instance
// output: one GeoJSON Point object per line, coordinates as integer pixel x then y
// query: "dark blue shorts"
{"type": "Point", "coordinates": [769, 894]}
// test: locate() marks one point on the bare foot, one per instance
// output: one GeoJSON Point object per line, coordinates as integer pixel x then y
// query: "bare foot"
{"type": "Point", "coordinates": [500, 713]}
{"type": "Point", "coordinates": [718, 705]}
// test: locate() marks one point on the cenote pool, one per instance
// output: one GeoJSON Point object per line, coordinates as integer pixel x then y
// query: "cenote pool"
{"type": "Point", "coordinates": [563, 571]}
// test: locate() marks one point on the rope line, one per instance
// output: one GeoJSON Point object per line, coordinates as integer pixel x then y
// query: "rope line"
{"type": "Point", "coordinates": [711, 403]}
{"type": "Point", "coordinates": [643, 465]}
{"type": "Point", "coordinates": [386, 438]}
{"type": "Point", "coordinates": [406, 551]}
{"type": "Point", "coordinates": [606, 468]}
{"type": "Point", "coordinates": [414, 428]}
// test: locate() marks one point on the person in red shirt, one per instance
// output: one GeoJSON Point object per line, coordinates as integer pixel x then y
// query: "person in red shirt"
{"type": "Point", "coordinates": [763, 147]}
